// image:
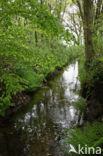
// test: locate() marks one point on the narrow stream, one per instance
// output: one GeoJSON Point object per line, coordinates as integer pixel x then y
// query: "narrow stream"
{"type": "Point", "coordinates": [35, 129]}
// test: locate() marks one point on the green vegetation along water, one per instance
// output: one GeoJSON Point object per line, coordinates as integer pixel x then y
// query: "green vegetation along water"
{"type": "Point", "coordinates": [35, 130]}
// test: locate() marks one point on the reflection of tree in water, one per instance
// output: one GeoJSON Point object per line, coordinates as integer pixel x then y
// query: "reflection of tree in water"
{"type": "Point", "coordinates": [29, 135]}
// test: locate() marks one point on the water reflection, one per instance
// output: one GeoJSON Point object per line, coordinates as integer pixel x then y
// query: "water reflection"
{"type": "Point", "coordinates": [35, 131]}
{"type": "Point", "coordinates": [71, 82]}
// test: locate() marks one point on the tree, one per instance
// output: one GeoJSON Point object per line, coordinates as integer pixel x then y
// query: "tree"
{"type": "Point", "coordinates": [74, 24]}
{"type": "Point", "coordinates": [90, 11]}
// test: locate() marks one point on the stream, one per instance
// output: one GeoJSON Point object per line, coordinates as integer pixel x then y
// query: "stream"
{"type": "Point", "coordinates": [36, 129]}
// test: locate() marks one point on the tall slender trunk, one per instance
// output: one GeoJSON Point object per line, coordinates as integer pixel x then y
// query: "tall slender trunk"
{"type": "Point", "coordinates": [88, 31]}
{"type": "Point", "coordinates": [36, 38]}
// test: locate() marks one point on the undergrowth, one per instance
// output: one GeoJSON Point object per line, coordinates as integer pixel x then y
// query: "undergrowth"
{"type": "Point", "coordinates": [26, 71]}
{"type": "Point", "coordinates": [91, 135]}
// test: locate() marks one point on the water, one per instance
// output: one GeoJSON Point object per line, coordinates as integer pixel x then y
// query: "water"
{"type": "Point", "coordinates": [36, 129]}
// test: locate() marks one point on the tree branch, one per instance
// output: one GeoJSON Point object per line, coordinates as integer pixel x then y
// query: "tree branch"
{"type": "Point", "coordinates": [80, 9]}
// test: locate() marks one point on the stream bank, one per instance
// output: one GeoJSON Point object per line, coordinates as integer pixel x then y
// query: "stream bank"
{"type": "Point", "coordinates": [23, 98]}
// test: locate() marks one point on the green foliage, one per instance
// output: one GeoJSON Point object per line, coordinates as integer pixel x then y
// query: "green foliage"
{"type": "Point", "coordinates": [18, 19]}
{"type": "Point", "coordinates": [33, 11]}
{"type": "Point", "coordinates": [94, 73]}
{"type": "Point", "coordinates": [90, 135]}
{"type": "Point", "coordinates": [11, 83]}
{"type": "Point", "coordinates": [26, 69]}
{"type": "Point", "coordinates": [25, 60]}
{"type": "Point", "coordinates": [81, 105]}
{"type": "Point", "coordinates": [34, 80]}
{"type": "Point", "coordinates": [45, 60]}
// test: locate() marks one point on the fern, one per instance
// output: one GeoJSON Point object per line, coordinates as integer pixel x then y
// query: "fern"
{"type": "Point", "coordinates": [90, 135]}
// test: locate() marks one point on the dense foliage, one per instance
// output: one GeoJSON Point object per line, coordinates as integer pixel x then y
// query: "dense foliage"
{"type": "Point", "coordinates": [30, 47]}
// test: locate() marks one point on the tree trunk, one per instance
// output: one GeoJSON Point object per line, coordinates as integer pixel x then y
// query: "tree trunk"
{"type": "Point", "coordinates": [36, 38]}
{"type": "Point", "coordinates": [88, 31]}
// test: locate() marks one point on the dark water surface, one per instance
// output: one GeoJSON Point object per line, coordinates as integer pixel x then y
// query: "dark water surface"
{"type": "Point", "coordinates": [35, 129]}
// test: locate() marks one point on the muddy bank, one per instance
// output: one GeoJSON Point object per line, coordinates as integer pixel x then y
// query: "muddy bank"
{"type": "Point", "coordinates": [19, 100]}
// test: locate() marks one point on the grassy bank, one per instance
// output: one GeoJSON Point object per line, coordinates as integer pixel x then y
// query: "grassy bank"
{"type": "Point", "coordinates": [31, 68]}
